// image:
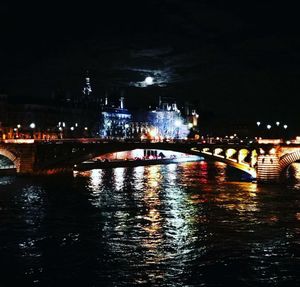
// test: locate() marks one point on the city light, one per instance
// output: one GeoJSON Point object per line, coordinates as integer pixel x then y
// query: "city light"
{"type": "Point", "coordinates": [258, 124]}
{"type": "Point", "coordinates": [285, 126]}
{"type": "Point", "coordinates": [277, 124]}
{"type": "Point", "coordinates": [269, 127]}
{"type": "Point", "coordinates": [32, 125]}
{"type": "Point", "coordinates": [153, 133]}
{"type": "Point", "coordinates": [178, 123]}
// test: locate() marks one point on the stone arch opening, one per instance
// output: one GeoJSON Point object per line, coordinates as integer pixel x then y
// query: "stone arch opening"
{"type": "Point", "coordinates": [9, 157]}
{"type": "Point", "coordinates": [286, 160]}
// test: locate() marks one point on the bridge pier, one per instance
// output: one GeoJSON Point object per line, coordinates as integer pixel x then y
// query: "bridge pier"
{"type": "Point", "coordinates": [26, 161]}
{"type": "Point", "coordinates": [268, 168]}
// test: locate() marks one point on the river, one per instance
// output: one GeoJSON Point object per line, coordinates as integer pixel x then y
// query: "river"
{"type": "Point", "coordinates": [187, 224]}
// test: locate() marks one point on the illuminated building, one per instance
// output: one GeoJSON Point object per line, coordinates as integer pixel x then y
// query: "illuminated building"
{"type": "Point", "coordinates": [115, 121]}
{"type": "Point", "coordinates": [167, 121]}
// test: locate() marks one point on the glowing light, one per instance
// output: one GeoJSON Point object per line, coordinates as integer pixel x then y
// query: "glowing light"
{"type": "Point", "coordinates": [242, 155]}
{"type": "Point", "coordinates": [32, 125]}
{"type": "Point", "coordinates": [258, 124]}
{"type": "Point", "coordinates": [18, 126]}
{"type": "Point", "coordinates": [178, 123]}
{"type": "Point", "coordinates": [230, 152]}
{"type": "Point", "coordinates": [126, 126]}
{"type": "Point", "coordinates": [285, 126]}
{"type": "Point", "coordinates": [72, 128]}
{"type": "Point", "coordinates": [153, 133]}
{"type": "Point", "coordinates": [277, 124]}
{"type": "Point", "coordinates": [268, 127]}
{"type": "Point", "coordinates": [272, 151]}
{"type": "Point", "coordinates": [149, 81]}
{"type": "Point", "coordinates": [86, 128]}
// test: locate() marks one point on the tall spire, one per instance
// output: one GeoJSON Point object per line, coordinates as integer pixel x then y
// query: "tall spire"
{"type": "Point", "coordinates": [87, 89]}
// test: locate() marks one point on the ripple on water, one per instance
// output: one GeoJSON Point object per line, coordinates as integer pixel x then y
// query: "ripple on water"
{"type": "Point", "coordinates": [173, 225]}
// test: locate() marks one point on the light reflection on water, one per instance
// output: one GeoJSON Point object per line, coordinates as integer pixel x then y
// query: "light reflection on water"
{"type": "Point", "coordinates": [182, 224]}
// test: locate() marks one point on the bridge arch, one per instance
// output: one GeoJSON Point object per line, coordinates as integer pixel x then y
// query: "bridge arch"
{"type": "Point", "coordinates": [11, 156]}
{"type": "Point", "coordinates": [287, 160]}
{"type": "Point", "coordinates": [222, 153]}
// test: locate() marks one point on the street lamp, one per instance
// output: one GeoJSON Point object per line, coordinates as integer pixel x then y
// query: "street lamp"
{"type": "Point", "coordinates": [285, 126]}
{"type": "Point", "coordinates": [277, 124]}
{"type": "Point", "coordinates": [269, 127]}
{"type": "Point", "coordinates": [258, 124]}
{"type": "Point", "coordinates": [32, 126]}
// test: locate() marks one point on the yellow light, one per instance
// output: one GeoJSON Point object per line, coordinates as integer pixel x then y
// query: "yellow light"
{"type": "Point", "coordinates": [153, 133]}
{"type": "Point", "coordinates": [230, 152]}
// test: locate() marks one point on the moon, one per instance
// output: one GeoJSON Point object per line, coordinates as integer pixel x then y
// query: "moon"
{"type": "Point", "coordinates": [149, 81]}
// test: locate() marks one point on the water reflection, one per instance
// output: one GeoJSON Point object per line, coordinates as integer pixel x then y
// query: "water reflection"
{"type": "Point", "coordinates": [185, 224]}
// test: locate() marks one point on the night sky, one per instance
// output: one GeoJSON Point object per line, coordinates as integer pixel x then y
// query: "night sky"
{"type": "Point", "coordinates": [242, 57]}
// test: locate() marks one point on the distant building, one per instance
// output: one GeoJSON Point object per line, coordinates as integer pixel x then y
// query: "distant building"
{"type": "Point", "coordinates": [167, 121]}
{"type": "Point", "coordinates": [114, 121]}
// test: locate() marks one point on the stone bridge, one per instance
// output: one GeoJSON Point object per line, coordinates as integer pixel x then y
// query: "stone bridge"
{"type": "Point", "coordinates": [266, 162]}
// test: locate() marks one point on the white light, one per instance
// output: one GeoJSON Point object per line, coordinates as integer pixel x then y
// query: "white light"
{"type": "Point", "coordinates": [149, 81]}
{"type": "Point", "coordinates": [285, 127]}
{"type": "Point", "coordinates": [72, 128]}
{"type": "Point", "coordinates": [60, 128]}
{"type": "Point", "coordinates": [178, 123]}
{"type": "Point", "coordinates": [18, 126]}
{"type": "Point", "coordinates": [126, 126]}
{"type": "Point", "coordinates": [268, 127]}
{"type": "Point", "coordinates": [76, 125]}
{"type": "Point", "coordinates": [86, 128]}
{"type": "Point", "coordinates": [190, 125]}
{"type": "Point", "coordinates": [258, 124]}
{"type": "Point", "coordinates": [277, 123]}
{"type": "Point", "coordinates": [32, 125]}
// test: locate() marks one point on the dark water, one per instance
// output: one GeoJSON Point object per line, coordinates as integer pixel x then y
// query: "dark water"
{"type": "Point", "coordinates": [173, 225]}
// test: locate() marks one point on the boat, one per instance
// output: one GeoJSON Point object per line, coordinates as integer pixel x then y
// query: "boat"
{"type": "Point", "coordinates": [97, 164]}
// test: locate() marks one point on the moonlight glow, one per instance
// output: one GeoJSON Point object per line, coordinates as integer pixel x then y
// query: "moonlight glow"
{"type": "Point", "coordinates": [149, 81]}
